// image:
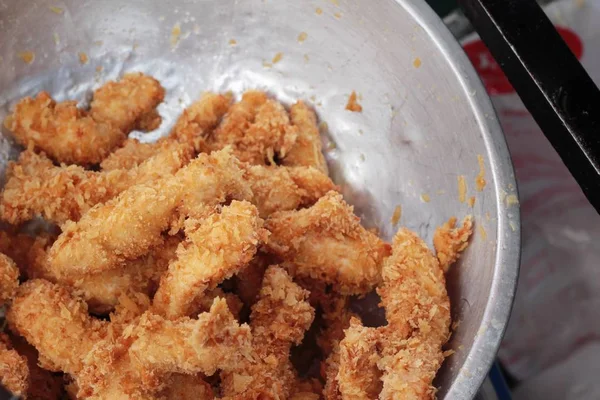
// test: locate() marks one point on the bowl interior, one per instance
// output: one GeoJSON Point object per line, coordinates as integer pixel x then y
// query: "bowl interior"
{"type": "Point", "coordinates": [425, 119]}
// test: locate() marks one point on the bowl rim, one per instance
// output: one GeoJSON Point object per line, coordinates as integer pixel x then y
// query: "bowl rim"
{"type": "Point", "coordinates": [508, 247]}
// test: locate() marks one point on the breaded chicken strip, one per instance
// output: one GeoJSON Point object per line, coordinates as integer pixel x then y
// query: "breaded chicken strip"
{"type": "Point", "coordinates": [216, 248]}
{"type": "Point", "coordinates": [138, 364]}
{"type": "Point", "coordinates": [307, 151]}
{"type": "Point", "coordinates": [192, 129]}
{"type": "Point", "coordinates": [14, 371]}
{"type": "Point", "coordinates": [102, 290]}
{"type": "Point", "coordinates": [248, 280]}
{"type": "Point", "coordinates": [126, 227]}
{"type": "Point", "coordinates": [358, 377]}
{"type": "Point", "coordinates": [49, 317]}
{"type": "Point", "coordinates": [417, 308]}
{"type": "Point", "coordinates": [63, 131]}
{"type": "Point", "coordinates": [9, 279]}
{"type": "Point", "coordinates": [327, 242]}
{"type": "Point", "coordinates": [35, 187]}
{"type": "Point", "coordinates": [128, 103]}
{"type": "Point", "coordinates": [258, 129]}
{"type": "Point", "coordinates": [199, 119]}
{"type": "Point", "coordinates": [449, 241]}
{"type": "Point", "coordinates": [74, 136]}
{"type": "Point", "coordinates": [279, 319]}
{"type": "Point", "coordinates": [286, 188]}
{"type": "Point", "coordinates": [43, 385]}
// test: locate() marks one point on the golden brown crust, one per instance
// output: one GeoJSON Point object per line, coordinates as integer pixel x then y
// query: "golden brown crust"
{"type": "Point", "coordinates": [278, 320]}
{"type": "Point", "coordinates": [129, 103]}
{"type": "Point", "coordinates": [9, 279]}
{"type": "Point", "coordinates": [138, 363]}
{"type": "Point", "coordinates": [258, 129]}
{"type": "Point", "coordinates": [449, 241]}
{"type": "Point", "coordinates": [48, 317]}
{"type": "Point", "coordinates": [358, 377]}
{"type": "Point", "coordinates": [14, 371]}
{"type": "Point", "coordinates": [43, 384]}
{"type": "Point", "coordinates": [73, 136]}
{"type": "Point", "coordinates": [327, 242]}
{"type": "Point", "coordinates": [307, 151]}
{"type": "Point", "coordinates": [35, 187]}
{"type": "Point", "coordinates": [216, 248]}
{"type": "Point", "coordinates": [286, 188]}
{"type": "Point", "coordinates": [418, 312]}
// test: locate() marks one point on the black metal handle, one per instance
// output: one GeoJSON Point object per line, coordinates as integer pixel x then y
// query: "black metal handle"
{"type": "Point", "coordinates": [553, 85]}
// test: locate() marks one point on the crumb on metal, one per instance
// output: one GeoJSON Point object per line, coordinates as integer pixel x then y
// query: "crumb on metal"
{"type": "Point", "coordinates": [462, 188]}
{"type": "Point", "coordinates": [302, 37]}
{"type": "Point", "coordinates": [397, 215]}
{"type": "Point", "coordinates": [337, 15]}
{"type": "Point", "coordinates": [417, 62]}
{"type": "Point", "coordinates": [83, 58]}
{"type": "Point", "coordinates": [319, 11]}
{"type": "Point", "coordinates": [306, 58]}
{"type": "Point", "coordinates": [471, 201]}
{"type": "Point", "coordinates": [425, 198]}
{"type": "Point", "coordinates": [482, 231]}
{"type": "Point", "coordinates": [352, 104]}
{"type": "Point", "coordinates": [27, 56]}
{"type": "Point", "coordinates": [175, 34]}
{"type": "Point", "coordinates": [277, 58]}
{"type": "Point", "coordinates": [56, 10]}
{"type": "Point", "coordinates": [511, 200]}
{"type": "Point", "coordinates": [232, 42]}
{"type": "Point", "coordinates": [480, 180]}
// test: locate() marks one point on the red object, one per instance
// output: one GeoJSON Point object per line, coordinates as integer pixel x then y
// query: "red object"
{"type": "Point", "coordinates": [490, 72]}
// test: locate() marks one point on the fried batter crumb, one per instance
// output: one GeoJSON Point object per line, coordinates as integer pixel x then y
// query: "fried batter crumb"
{"type": "Point", "coordinates": [352, 104]}
{"type": "Point", "coordinates": [450, 242]}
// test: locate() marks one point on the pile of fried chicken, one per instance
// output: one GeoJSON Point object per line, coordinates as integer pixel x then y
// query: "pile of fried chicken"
{"type": "Point", "coordinates": [189, 268]}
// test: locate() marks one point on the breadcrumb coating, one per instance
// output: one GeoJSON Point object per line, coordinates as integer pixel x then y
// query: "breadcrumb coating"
{"type": "Point", "coordinates": [449, 241]}
{"type": "Point", "coordinates": [9, 279]}
{"type": "Point", "coordinates": [14, 371]}
{"type": "Point", "coordinates": [326, 241]}
{"type": "Point", "coordinates": [308, 150]}
{"type": "Point", "coordinates": [35, 187]}
{"type": "Point", "coordinates": [258, 129]}
{"type": "Point", "coordinates": [279, 319]}
{"type": "Point", "coordinates": [216, 248]}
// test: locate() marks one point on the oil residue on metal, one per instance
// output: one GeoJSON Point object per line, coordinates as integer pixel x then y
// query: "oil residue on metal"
{"type": "Point", "coordinates": [480, 180]}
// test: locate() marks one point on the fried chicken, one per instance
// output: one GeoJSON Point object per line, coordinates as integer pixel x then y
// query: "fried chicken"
{"type": "Point", "coordinates": [49, 317]}
{"type": "Point", "coordinates": [327, 242]}
{"type": "Point", "coordinates": [129, 103]}
{"type": "Point", "coordinates": [74, 136]}
{"type": "Point", "coordinates": [35, 187]}
{"type": "Point", "coordinates": [116, 231]}
{"type": "Point", "coordinates": [192, 128]}
{"type": "Point", "coordinates": [358, 377]}
{"type": "Point", "coordinates": [216, 248]}
{"type": "Point", "coordinates": [199, 119]}
{"type": "Point", "coordinates": [279, 319]}
{"type": "Point", "coordinates": [286, 188]}
{"type": "Point", "coordinates": [139, 363]}
{"type": "Point", "coordinates": [307, 151]}
{"type": "Point", "coordinates": [9, 279]}
{"type": "Point", "coordinates": [187, 387]}
{"type": "Point", "coordinates": [258, 129]}
{"type": "Point", "coordinates": [43, 384]}
{"type": "Point", "coordinates": [14, 371]}
{"type": "Point", "coordinates": [449, 241]}
{"type": "Point", "coordinates": [417, 308]}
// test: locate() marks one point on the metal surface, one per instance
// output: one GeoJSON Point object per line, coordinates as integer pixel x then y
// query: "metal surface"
{"type": "Point", "coordinates": [426, 116]}
{"type": "Point", "coordinates": [561, 96]}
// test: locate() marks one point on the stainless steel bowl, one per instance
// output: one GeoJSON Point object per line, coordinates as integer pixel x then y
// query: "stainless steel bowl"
{"type": "Point", "coordinates": [426, 116]}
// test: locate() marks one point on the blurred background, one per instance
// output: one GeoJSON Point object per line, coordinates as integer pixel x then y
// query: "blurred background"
{"type": "Point", "coordinates": [551, 349]}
